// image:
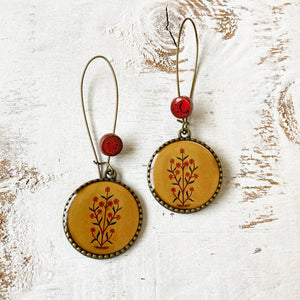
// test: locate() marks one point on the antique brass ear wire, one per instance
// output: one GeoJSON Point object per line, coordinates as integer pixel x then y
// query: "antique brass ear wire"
{"type": "Point", "coordinates": [185, 131]}
{"type": "Point", "coordinates": [109, 170]}
{"type": "Point", "coordinates": [196, 60]}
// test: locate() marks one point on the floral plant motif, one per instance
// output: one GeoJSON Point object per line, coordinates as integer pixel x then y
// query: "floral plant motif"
{"type": "Point", "coordinates": [104, 214]}
{"type": "Point", "coordinates": [183, 175]}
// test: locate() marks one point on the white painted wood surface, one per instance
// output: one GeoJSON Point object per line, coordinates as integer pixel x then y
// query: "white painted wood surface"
{"type": "Point", "coordinates": [246, 244]}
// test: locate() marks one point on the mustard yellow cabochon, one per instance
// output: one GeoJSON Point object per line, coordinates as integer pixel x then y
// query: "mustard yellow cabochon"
{"type": "Point", "coordinates": [102, 218]}
{"type": "Point", "coordinates": [184, 175]}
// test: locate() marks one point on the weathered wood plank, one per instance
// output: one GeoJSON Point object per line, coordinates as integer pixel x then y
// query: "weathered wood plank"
{"type": "Point", "coordinates": [246, 244]}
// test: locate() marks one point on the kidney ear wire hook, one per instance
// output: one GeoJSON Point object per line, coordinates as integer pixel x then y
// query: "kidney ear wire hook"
{"type": "Point", "coordinates": [185, 131]}
{"type": "Point", "coordinates": [109, 138]}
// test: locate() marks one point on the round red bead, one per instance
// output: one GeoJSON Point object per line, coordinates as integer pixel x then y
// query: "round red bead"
{"type": "Point", "coordinates": [110, 144]}
{"type": "Point", "coordinates": [181, 107]}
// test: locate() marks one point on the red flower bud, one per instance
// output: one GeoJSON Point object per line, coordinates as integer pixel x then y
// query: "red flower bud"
{"type": "Point", "coordinates": [186, 163]}
{"type": "Point", "coordinates": [112, 230]}
{"type": "Point", "coordinates": [196, 176]}
{"type": "Point", "coordinates": [93, 229]}
{"type": "Point", "coordinates": [177, 172]}
{"type": "Point", "coordinates": [92, 216]}
{"type": "Point", "coordinates": [95, 199]}
{"type": "Point", "coordinates": [110, 203]}
{"type": "Point", "coordinates": [116, 201]}
{"type": "Point", "coordinates": [191, 161]}
{"type": "Point", "coordinates": [178, 165]}
{"type": "Point", "coordinates": [101, 204]}
{"type": "Point", "coordinates": [118, 217]}
{"type": "Point", "coordinates": [173, 189]}
{"type": "Point", "coordinates": [172, 161]}
{"type": "Point", "coordinates": [109, 215]}
{"type": "Point", "coordinates": [187, 174]}
{"type": "Point", "coordinates": [181, 150]}
{"type": "Point", "coordinates": [192, 189]}
{"type": "Point", "coordinates": [107, 189]}
{"type": "Point", "coordinates": [99, 211]}
{"type": "Point", "coordinates": [171, 176]}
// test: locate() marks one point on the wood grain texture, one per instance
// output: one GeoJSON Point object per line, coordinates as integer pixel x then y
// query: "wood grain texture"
{"type": "Point", "coordinates": [245, 245]}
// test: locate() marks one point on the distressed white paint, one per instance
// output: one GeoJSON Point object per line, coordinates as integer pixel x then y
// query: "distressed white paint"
{"type": "Point", "coordinates": [206, 255]}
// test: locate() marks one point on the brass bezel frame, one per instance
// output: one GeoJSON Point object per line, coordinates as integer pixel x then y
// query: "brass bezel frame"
{"type": "Point", "coordinates": [116, 253]}
{"type": "Point", "coordinates": [164, 204]}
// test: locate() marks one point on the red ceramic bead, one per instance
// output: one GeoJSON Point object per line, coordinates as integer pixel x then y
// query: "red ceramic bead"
{"type": "Point", "coordinates": [181, 107]}
{"type": "Point", "coordinates": [110, 144]}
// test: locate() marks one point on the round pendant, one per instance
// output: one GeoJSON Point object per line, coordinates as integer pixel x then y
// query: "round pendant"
{"type": "Point", "coordinates": [184, 175]}
{"type": "Point", "coordinates": [102, 218]}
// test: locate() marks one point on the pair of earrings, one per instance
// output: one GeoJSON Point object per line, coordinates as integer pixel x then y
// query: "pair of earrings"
{"type": "Point", "coordinates": [103, 217]}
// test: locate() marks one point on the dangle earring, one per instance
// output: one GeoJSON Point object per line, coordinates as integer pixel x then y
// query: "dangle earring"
{"type": "Point", "coordinates": [103, 217]}
{"type": "Point", "coordinates": [184, 174]}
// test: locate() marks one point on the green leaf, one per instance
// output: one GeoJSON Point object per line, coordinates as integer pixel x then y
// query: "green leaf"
{"type": "Point", "coordinates": [178, 194]}
{"type": "Point", "coordinates": [110, 242]}
{"type": "Point", "coordinates": [114, 209]}
{"type": "Point", "coordinates": [196, 168]}
{"type": "Point", "coordinates": [190, 169]}
{"type": "Point", "coordinates": [93, 241]}
{"type": "Point", "coordinates": [185, 157]}
{"type": "Point", "coordinates": [95, 224]}
{"type": "Point", "coordinates": [96, 208]}
{"type": "Point", "coordinates": [174, 183]}
{"type": "Point", "coordinates": [113, 223]}
{"type": "Point", "coordinates": [100, 220]}
{"type": "Point", "coordinates": [169, 170]}
{"type": "Point", "coordinates": [179, 180]}
{"type": "Point", "coordinates": [191, 181]}
{"type": "Point", "coordinates": [91, 209]}
{"type": "Point", "coordinates": [179, 158]}
{"type": "Point", "coordinates": [185, 180]}
{"type": "Point", "coordinates": [110, 197]}
{"type": "Point", "coordinates": [106, 235]}
{"type": "Point", "coordinates": [98, 234]}
{"type": "Point", "coordinates": [103, 197]}
{"type": "Point", "coordinates": [107, 220]}
{"type": "Point", "coordinates": [174, 200]}
{"type": "Point", "coordinates": [191, 200]}
{"type": "Point", "coordinates": [187, 194]}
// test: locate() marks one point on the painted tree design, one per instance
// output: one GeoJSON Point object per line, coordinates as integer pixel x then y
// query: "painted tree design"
{"type": "Point", "coordinates": [182, 174]}
{"type": "Point", "coordinates": [104, 215]}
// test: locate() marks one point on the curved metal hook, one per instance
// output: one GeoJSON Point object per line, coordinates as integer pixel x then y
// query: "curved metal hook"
{"type": "Point", "coordinates": [177, 55]}
{"type": "Point", "coordinates": [83, 107]}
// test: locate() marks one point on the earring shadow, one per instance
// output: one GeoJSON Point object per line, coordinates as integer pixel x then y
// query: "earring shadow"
{"type": "Point", "coordinates": [128, 148]}
{"type": "Point", "coordinates": [144, 222]}
{"type": "Point", "coordinates": [90, 114]}
{"type": "Point", "coordinates": [199, 115]}
{"type": "Point", "coordinates": [225, 183]}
